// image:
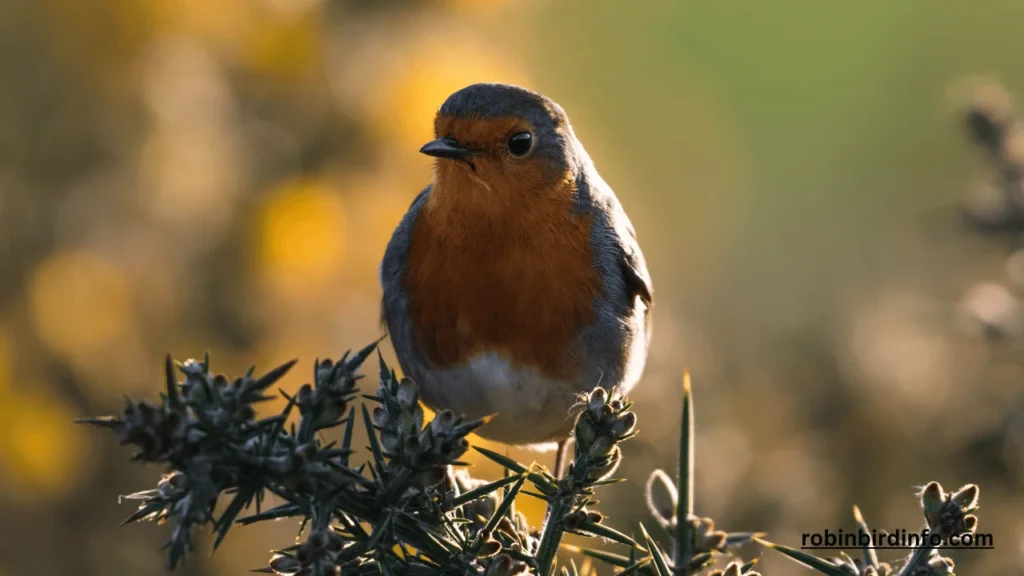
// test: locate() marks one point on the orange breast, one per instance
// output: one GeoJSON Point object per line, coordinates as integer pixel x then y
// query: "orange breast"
{"type": "Point", "coordinates": [515, 281]}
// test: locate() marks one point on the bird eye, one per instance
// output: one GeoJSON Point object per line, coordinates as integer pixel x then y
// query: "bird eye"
{"type": "Point", "coordinates": [519, 144]}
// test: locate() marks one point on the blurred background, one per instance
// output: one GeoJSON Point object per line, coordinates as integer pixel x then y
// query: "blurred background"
{"type": "Point", "coordinates": [181, 176]}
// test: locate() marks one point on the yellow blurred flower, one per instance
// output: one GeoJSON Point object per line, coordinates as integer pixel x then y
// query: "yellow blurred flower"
{"type": "Point", "coordinates": [377, 203]}
{"type": "Point", "coordinates": [42, 452]}
{"type": "Point", "coordinates": [79, 301]}
{"type": "Point", "coordinates": [415, 86]}
{"type": "Point", "coordinates": [222, 22]}
{"type": "Point", "coordinates": [303, 231]}
{"type": "Point", "coordinates": [6, 360]}
{"type": "Point", "coordinates": [267, 37]}
{"type": "Point", "coordinates": [285, 46]}
{"type": "Point", "coordinates": [134, 372]}
{"type": "Point", "coordinates": [191, 163]}
{"type": "Point", "coordinates": [192, 180]}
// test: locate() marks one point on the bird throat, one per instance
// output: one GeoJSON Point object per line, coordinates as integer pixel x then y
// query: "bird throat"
{"type": "Point", "coordinates": [501, 275]}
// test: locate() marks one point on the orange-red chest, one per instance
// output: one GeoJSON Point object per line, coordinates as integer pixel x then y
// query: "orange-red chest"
{"type": "Point", "coordinates": [519, 282]}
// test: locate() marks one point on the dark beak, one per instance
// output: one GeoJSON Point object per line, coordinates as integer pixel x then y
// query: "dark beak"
{"type": "Point", "coordinates": [445, 148]}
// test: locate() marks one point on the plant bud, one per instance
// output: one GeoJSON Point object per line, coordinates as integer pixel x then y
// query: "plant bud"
{"type": "Point", "coordinates": [600, 447]}
{"type": "Point", "coordinates": [733, 569]}
{"type": "Point", "coordinates": [305, 396]}
{"type": "Point", "coordinates": [175, 421]}
{"type": "Point", "coordinates": [317, 540]}
{"type": "Point", "coordinates": [608, 467]}
{"type": "Point", "coordinates": [178, 480]}
{"type": "Point", "coordinates": [940, 565]}
{"type": "Point", "coordinates": [699, 561]}
{"type": "Point", "coordinates": [147, 412]}
{"type": "Point", "coordinates": [246, 413]}
{"type": "Point", "coordinates": [715, 540]}
{"type": "Point", "coordinates": [381, 418]}
{"type": "Point", "coordinates": [303, 556]}
{"type": "Point", "coordinates": [598, 398]}
{"type": "Point", "coordinates": [489, 548]}
{"type": "Point", "coordinates": [406, 394]}
{"type": "Point", "coordinates": [970, 523]}
{"type": "Point", "coordinates": [966, 497]}
{"type": "Point", "coordinates": [574, 520]}
{"type": "Point", "coordinates": [192, 367]}
{"type": "Point", "coordinates": [443, 420]}
{"type": "Point", "coordinates": [503, 565]}
{"type": "Point", "coordinates": [295, 461]}
{"type": "Point", "coordinates": [932, 500]}
{"type": "Point", "coordinates": [324, 369]}
{"type": "Point", "coordinates": [282, 564]}
{"type": "Point", "coordinates": [585, 433]}
{"type": "Point", "coordinates": [624, 425]}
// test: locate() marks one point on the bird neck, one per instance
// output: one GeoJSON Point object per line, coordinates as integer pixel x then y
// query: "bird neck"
{"type": "Point", "coordinates": [465, 206]}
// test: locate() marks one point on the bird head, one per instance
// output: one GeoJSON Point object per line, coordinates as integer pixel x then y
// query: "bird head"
{"type": "Point", "coordinates": [502, 142]}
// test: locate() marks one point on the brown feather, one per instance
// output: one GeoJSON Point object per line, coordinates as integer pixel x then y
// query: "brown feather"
{"type": "Point", "coordinates": [506, 270]}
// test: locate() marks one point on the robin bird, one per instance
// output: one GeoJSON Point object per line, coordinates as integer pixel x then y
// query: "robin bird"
{"type": "Point", "coordinates": [515, 281]}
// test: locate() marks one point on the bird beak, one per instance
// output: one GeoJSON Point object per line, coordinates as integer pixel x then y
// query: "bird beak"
{"type": "Point", "coordinates": [445, 148]}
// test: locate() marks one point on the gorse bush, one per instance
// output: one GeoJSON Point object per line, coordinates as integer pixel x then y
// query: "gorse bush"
{"type": "Point", "coordinates": [412, 508]}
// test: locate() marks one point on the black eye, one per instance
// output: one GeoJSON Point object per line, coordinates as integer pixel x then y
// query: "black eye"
{"type": "Point", "coordinates": [519, 144]}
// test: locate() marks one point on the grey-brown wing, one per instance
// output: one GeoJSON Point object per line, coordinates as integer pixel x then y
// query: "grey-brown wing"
{"type": "Point", "coordinates": [615, 241]}
{"type": "Point", "coordinates": [634, 266]}
{"type": "Point", "coordinates": [395, 301]}
{"type": "Point", "coordinates": [608, 342]}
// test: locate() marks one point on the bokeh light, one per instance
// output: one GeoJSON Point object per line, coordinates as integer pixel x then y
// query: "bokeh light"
{"type": "Point", "coordinates": [42, 450]}
{"type": "Point", "coordinates": [288, 45]}
{"type": "Point", "coordinates": [80, 301]}
{"type": "Point", "coordinates": [6, 359]}
{"type": "Point", "coordinates": [377, 203]}
{"type": "Point", "coordinates": [418, 81]}
{"type": "Point", "coordinates": [303, 236]}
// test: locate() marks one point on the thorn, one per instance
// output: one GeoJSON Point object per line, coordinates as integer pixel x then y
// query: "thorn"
{"type": "Point", "coordinates": [686, 381]}
{"type": "Point", "coordinates": [856, 514]}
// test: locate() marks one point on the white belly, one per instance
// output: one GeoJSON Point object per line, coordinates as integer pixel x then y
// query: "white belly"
{"type": "Point", "coordinates": [531, 408]}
